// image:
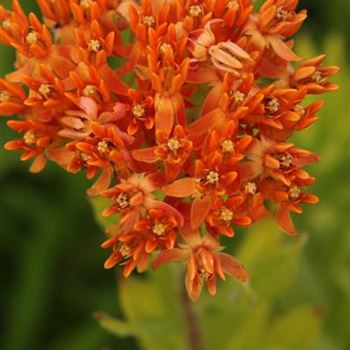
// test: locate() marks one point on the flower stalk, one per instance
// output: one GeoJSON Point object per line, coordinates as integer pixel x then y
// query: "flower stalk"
{"type": "Point", "coordinates": [191, 323]}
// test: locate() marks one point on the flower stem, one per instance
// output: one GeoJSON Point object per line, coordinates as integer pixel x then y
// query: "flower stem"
{"type": "Point", "coordinates": [191, 321]}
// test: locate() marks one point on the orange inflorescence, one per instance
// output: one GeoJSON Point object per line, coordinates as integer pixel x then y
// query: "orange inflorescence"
{"type": "Point", "coordinates": [181, 109]}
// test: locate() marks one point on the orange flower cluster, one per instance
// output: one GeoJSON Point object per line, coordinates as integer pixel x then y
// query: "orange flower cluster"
{"type": "Point", "coordinates": [182, 109]}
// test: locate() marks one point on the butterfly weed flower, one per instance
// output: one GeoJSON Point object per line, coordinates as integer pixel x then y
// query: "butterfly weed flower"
{"type": "Point", "coordinates": [163, 105]}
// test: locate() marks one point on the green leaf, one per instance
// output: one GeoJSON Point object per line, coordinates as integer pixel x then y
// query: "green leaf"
{"type": "Point", "coordinates": [119, 327]}
{"type": "Point", "coordinates": [249, 332]}
{"type": "Point", "coordinates": [98, 205]}
{"type": "Point", "coordinates": [297, 329]}
{"type": "Point", "coordinates": [84, 336]}
{"type": "Point", "coordinates": [271, 258]}
{"type": "Point", "coordinates": [154, 301]}
{"type": "Point", "coordinates": [259, 242]}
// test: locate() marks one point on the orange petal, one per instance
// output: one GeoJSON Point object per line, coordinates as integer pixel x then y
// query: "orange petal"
{"type": "Point", "coordinates": [212, 100]}
{"type": "Point", "coordinates": [10, 108]}
{"type": "Point", "coordinates": [172, 170]}
{"type": "Point", "coordinates": [193, 287]}
{"type": "Point", "coordinates": [109, 243]}
{"type": "Point", "coordinates": [243, 221]}
{"type": "Point", "coordinates": [214, 119]}
{"type": "Point", "coordinates": [113, 260]}
{"type": "Point", "coordinates": [211, 283]}
{"type": "Point", "coordinates": [233, 267]}
{"type": "Point", "coordinates": [284, 220]}
{"type": "Point", "coordinates": [143, 263]}
{"type": "Point", "coordinates": [181, 188]}
{"type": "Point", "coordinates": [271, 162]}
{"type": "Point", "coordinates": [146, 155]}
{"type": "Point", "coordinates": [304, 72]}
{"type": "Point", "coordinates": [38, 164]}
{"type": "Point", "coordinates": [151, 245]}
{"type": "Point", "coordinates": [129, 268]}
{"type": "Point", "coordinates": [13, 145]}
{"type": "Point", "coordinates": [282, 49]}
{"type": "Point", "coordinates": [165, 114]}
{"type": "Point", "coordinates": [166, 208]}
{"type": "Point", "coordinates": [230, 177]}
{"type": "Point", "coordinates": [88, 105]}
{"type": "Point", "coordinates": [101, 184]}
{"type": "Point", "coordinates": [199, 211]}
{"type": "Point", "coordinates": [310, 199]}
{"type": "Point", "coordinates": [226, 231]}
{"type": "Point", "coordinates": [169, 256]}
{"type": "Point", "coordinates": [61, 156]}
{"type": "Point", "coordinates": [208, 261]}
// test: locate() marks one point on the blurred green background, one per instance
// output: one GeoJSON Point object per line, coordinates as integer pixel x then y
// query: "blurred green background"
{"type": "Point", "coordinates": [52, 278]}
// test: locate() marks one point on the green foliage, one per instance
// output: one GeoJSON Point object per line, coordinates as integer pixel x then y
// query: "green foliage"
{"type": "Point", "coordinates": [295, 330]}
{"type": "Point", "coordinates": [99, 204]}
{"type": "Point", "coordinates": [152, 309]}
{"type": "Point", "coordinates": [271, 259]}
{"type": "Point", "coordinates": [323, 274]}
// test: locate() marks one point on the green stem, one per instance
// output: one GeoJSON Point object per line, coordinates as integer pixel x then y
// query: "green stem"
{"type": "Point", "coordinates": [194, 335]}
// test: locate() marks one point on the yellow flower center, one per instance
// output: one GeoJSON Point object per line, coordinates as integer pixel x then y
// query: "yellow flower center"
{"type": "Point", "coordinates": [85, 157]}
{"type": "Point", "coordinates": [298, 108]}
{"type": "Point", "coordinates": [282, 14]}
{"type": "Point", "coordinates": [226, 215]}
{"type": "Point", "coordinates": [29, 138]}
{"type": "Point", "coordinates": [32, 38]}
{"type": "Point", "coordinates": [237, 96]}
{"type": "Point", "coordinates": [149, 21]}
{"type": "Point", "coordinates": [125, 250]}
{"type": "Point", "coordinates": [164, 48]}
{"type": "Point", "coordinates": [203, 274]}
{"type": "Point", "coordinates": [6, 24]}
{"type": "Point", "coordinates": [44, 90]}
{"type": "Point", "coordinates": [85, 4]}
{"type": "Point", "coordinates": [232, 4]}
{"type": "Point", "coordinates": [173, 144]}
{"type": "Point", "coordinates": [195, 11]}
{"type": "Point", "coordinates": [4, 96]}
{"type": "Point", "coordinates": [138, 111]}
{"type": "Point", "coordinates": [294, 192]}
{"type": "Point", "coordinates": [94, 45]}
{"type": "Point", "coordinates": [227, 146]}
{"type": "Point", "coordinates": [318, 77]}
{"type": "Point", "coordinates": [89, 90]}
{"type": "Point", "coordinates": [272, 105]}
{"type": "Point", "coordinates": [103, 147]}
{"type": "Point", "coordinates": [123, 200]}
{"type": "Point", "coordinates": [285, 159]}
{"type": "Point", "coordinates": [159, 229]}
{"type": "Point", "coordinates": [251, 187]}
{"type": "Point", "coordinates": [212, 177]}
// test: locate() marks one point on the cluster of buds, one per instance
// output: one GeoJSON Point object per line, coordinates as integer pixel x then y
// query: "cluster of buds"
{"type": "Point", "coordinates": [180, 111]}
